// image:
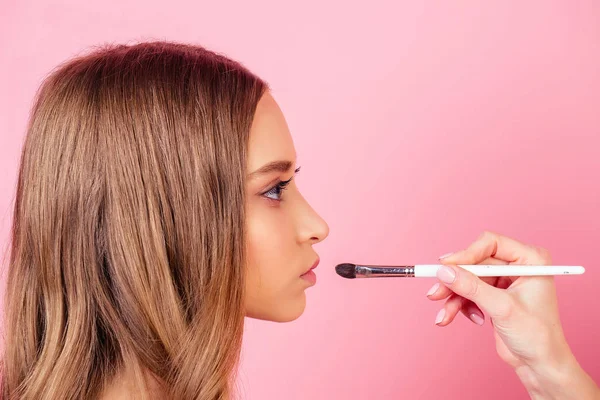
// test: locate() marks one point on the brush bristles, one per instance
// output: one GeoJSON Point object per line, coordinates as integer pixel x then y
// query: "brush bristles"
{"type": "Point", "coordinates": [346, 270]}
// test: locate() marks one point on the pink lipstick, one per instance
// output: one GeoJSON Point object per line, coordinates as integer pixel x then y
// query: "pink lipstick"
{"type": "Point", "coordinates": [309, 275]}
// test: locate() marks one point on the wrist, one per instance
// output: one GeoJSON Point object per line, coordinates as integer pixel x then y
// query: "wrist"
{"type": "Point", "coordinates": [557, 380]}
{"type": "Point", "coordinates": [544, 380]}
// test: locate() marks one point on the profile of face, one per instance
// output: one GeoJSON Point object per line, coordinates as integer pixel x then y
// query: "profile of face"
{"type": "Point", "coordinates": [281, 226]}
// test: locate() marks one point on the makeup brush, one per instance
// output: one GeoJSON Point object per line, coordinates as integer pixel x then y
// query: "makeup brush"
{"type": "Point", "coordinates": [352, 271]}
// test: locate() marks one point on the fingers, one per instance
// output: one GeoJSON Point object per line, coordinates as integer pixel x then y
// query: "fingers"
{"type": "Point", "coordinates": [504, 282]}
{"type": "Point", "coordinates": [500, 247]}
{"type": "Point", "coordinates": [456, 304]}
{"type": "Point", "coordinates": [449, 311]}
{"type": "Point", "coordinates": [495, 302]}
{"type": "Point", "coordinates": [470, 294]}
{"type": "Point", "coordinates": [439, 292]}
{"type": "Point", "coordinates": [471, 311]}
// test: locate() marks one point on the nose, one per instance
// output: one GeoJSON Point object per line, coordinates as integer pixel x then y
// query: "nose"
{"type": "Point", "coordinates": [311, 227]}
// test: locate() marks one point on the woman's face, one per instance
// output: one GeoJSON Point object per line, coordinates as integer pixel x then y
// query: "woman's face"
{"type": "Point", "coordinates": [281, 225]}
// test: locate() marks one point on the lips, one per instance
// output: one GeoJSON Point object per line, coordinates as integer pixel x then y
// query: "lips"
{"type": "Point", "coordinates": [315, 265]}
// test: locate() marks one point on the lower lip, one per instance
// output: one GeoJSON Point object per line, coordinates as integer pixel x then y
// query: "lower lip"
{"type": "Point", "coordinates": [310, 277]}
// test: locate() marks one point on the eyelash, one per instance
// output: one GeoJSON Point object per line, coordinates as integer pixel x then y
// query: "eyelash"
{"type": "Point", "coordinates": [278, 189]}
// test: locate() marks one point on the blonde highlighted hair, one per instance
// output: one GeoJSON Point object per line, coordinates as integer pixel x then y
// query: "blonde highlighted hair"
{"type": "Point", "coordinates": [128, 242]}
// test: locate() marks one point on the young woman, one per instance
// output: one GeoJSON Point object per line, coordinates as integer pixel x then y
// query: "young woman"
{"type": "Point", "coordinates": [156, 208]}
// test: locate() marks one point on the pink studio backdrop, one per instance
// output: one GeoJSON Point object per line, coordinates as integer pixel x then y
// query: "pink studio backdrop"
{"type": "Point", "coordinates": [418, 125]}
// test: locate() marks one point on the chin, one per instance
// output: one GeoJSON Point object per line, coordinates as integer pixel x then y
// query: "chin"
{"type": "Point", "coordinates": [284, 312]}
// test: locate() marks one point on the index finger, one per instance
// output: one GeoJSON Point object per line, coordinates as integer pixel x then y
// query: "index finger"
{"type": "Point", "coordinates": [491, 244]}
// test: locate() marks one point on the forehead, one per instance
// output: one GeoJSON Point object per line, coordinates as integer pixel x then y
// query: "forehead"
{"type": "Point", "coordinates": [270, 138]}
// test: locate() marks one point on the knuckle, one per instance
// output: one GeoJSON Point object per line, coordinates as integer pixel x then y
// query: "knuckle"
{"type": "Point", "coordinates": [467, 257]}
{"type": "Point", "coordinates": [488, 234]}
{"type": "Point", "coordinates": [505, 308]}
{"type": "Point", "coordinates": [472, 288]}
{"type": "Point", "coordinates": [543, 254]}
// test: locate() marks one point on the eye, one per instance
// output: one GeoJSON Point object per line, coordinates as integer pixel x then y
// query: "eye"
{"type": "Point", "coordinates": [276, 191]}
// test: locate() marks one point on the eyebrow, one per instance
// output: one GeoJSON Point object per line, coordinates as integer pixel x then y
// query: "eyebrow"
{"type": "Point", "coordinates": [275, 166]}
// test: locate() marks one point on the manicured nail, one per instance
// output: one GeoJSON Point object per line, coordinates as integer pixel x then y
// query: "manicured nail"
{"type": "Point", "coordinates": [433, 289]}
{"type": "Point", "coordinates": [445, 256]}
{"type": "Point", "coordinates": [478, 319]}
{"type": "Point", "coordinates": [446, 274]}
{"type": "Point", "coordinates": [440, 316]}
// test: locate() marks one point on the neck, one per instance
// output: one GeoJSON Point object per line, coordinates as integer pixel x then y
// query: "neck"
{"type": "Point", "coordinates": [134, 383]}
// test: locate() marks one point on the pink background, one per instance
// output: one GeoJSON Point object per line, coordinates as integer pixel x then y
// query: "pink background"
{"type": "Point", "coordinates": [418, 125]}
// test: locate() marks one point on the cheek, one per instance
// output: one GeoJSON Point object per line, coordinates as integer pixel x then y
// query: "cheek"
{"type": "Point", "coordinates": [272, 284]}
{"type": "Point", "coordinates": [270, 242]}
{"type": "Point", "coordinates": [270, 249]}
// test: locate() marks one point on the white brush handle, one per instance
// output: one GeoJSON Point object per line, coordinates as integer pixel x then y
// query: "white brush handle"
{"type": "Point", "coordinates": [429, 270]}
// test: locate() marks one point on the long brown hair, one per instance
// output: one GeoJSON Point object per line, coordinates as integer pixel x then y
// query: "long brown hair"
{"type": "Point", "coordinates": [128, 240]}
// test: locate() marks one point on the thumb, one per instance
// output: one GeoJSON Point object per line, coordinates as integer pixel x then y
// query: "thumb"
{"type": "Point", "coordinates": [495, 302]}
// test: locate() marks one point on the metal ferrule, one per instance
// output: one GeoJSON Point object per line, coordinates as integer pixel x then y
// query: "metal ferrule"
{"type": "Point", "coordinates": [363, 271]}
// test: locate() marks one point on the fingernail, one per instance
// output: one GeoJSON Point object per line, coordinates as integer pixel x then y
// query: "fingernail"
{"type": "Point", "coordinates": [446, 274]}
{"type": "Point", "coordinates": [445, 256]}
{"type": "Point", "coordinates": [478, 319]}
{"type": "Point", "coordinates": [433, 289]}
{"type": "Point", "coordinates": [440, 316]}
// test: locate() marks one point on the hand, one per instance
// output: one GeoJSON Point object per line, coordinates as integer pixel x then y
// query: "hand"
{"type": "Point", "coordinates": [525, 315]}
{"type": "Point", "coordinates": [523, 310]}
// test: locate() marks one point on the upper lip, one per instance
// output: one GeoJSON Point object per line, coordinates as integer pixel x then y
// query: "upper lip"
{"type": "Point", "coordinates": [313, 266]}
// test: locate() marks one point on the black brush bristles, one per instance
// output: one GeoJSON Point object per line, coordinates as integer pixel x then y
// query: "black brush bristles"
{"type": "Point", "coordinates": [346, 270]}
